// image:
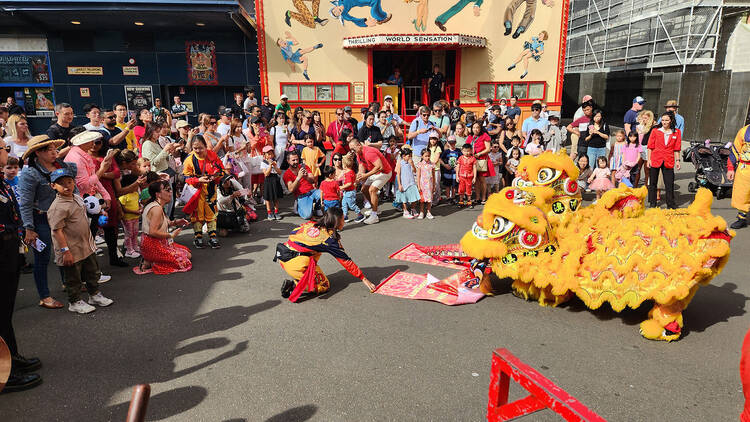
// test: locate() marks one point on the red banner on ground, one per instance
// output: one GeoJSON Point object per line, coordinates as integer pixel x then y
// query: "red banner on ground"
{"type": "Point", "coordinates": [458, 289]}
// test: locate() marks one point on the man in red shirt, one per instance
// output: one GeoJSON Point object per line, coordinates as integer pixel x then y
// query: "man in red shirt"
{"type": "Point", "coordinates": [374, 173]}
{"type": "Point", "coordinates": [299, 180]}
{"type": "Point", "coordinates": [334, 129]}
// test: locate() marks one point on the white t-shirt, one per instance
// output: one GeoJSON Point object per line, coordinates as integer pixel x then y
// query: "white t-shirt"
{"type": "Point", "coordinates": [266, 165]}
{"type": "Point", "coordinates": [223, 129]}
{"type": "Point", "coordinates": [249, 102]}
{"type": "Point", "coordinates": [89, 126]}
{"type": "Point", "coordinates": [15, 149]}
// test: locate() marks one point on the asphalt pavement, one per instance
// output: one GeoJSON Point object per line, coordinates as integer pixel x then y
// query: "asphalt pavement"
{"type": "Point", "coordinates": [219, 343]}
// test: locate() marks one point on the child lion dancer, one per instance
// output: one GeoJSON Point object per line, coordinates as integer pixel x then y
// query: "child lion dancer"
{"type": "Point", "coordinates": [738, 170]}
{"type": "Point", "coordinates": [300, 254]}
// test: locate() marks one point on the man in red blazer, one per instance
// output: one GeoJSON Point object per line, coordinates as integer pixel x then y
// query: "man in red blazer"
{"type": "Point", "coordinates": [664, 146]}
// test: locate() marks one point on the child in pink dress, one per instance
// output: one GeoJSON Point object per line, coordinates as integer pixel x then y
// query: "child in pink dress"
{"type": "Point", "coordinates": [426, 183]}
{"type": "Point", "coordinates": [599, 180]}
{"type": "Point", "coordinates": [632, 154]}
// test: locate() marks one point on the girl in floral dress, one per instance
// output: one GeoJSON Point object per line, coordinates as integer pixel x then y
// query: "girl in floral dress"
{"type": "Point", "coordinates": [426, 182]}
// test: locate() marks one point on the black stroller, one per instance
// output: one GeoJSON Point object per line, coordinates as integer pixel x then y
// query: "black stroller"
{"type": "Point", "coordinates": [710, 168]}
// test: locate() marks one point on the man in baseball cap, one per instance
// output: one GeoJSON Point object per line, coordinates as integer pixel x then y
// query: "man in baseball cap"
{"type": "Point", "coordinates": [631, 117]}
{"type": "Point", "coordinates": [283, 105]}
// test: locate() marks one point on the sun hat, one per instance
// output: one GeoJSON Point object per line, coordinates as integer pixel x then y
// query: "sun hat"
{"type": "Point", "coordinates": [267, 148]}
{"type": "Point", "coordinates": [39, 142]}
{"type": "Point", "coordinates": [181, 124]}
{"type": "Point", "coordinates": [86, 137]}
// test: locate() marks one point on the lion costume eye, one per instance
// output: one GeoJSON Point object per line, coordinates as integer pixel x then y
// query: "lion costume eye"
{"type": "Point", "coordinates": [570, 187]}
{"type": "Point", "coordinates": [500, 227]}
{"type": "Point", "coordinates": [529, 240]}
{"type": "Point", "coordinates": [547, 175]}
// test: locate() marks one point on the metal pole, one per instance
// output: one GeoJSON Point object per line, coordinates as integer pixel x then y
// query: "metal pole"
{"type": "Point", "coordinates": [139, 403]}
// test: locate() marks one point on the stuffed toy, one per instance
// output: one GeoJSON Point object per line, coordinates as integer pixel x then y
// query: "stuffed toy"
{"type": "Point", "coordinates": [94, 207]}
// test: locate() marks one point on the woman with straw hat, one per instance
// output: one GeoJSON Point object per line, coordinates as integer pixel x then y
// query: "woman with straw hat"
{"type": "Point", "coordinates": [35, 197]}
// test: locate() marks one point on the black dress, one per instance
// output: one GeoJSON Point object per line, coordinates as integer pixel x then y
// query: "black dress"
{"type": "Point", "coordinates": [272, 189]}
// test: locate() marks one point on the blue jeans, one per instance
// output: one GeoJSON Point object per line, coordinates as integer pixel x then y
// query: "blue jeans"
{"type": "Point", "coordinates": [593, 153]}
{"type": "Point", "coordinates": [330, 204]}
{"type": "Point", "coordinates": [41, 259]}
{"type": "Point", "coordinates": [459, 6]}
{"type": "Point", "coordinates": [306, 203]}
{"type": "Point", "coordinates": [349, 202]}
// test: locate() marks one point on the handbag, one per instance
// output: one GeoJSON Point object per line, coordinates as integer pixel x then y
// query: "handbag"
{"type": "Point", "coordinates": [482, 165]}
{"type": "Point", "coordinates": [187, 193]}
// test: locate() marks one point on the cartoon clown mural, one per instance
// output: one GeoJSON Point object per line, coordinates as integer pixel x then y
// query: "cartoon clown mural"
{"type": "Point", "coordinates": [341, 8]}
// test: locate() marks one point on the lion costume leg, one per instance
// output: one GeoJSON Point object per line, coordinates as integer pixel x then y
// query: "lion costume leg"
{"type": "Point", "coordinates": [665, 321]}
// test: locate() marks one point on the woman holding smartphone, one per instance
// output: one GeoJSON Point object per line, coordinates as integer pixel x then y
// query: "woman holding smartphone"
{"type": "Point", "coordinates": [161, 255]}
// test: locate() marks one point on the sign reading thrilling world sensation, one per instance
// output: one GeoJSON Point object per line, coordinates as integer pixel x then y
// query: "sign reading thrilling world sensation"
{"type": "Point", "coordinates": [421, 40]}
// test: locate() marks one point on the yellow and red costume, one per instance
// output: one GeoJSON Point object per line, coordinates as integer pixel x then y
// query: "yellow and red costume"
{"type": "Point", "coordinates": [739, 162]}
{"type": "Point", "coordinates": [309, 242]}
{"type": "Point", "coordinates": [204, 208]}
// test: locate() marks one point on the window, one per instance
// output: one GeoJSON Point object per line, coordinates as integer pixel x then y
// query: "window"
{"type": "Point", "coordinates": [525, 91]}
{"type": "Point", "coordinates": [316, 92]}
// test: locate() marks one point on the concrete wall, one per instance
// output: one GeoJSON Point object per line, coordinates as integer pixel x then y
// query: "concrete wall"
{"type": "Point", "coordinates": [715, 104]}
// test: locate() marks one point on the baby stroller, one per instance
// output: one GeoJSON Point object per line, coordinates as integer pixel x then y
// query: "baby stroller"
{"type": "Point", "coordinates": [710, 163]}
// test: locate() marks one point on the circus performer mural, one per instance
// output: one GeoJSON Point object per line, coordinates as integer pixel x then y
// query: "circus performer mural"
{"type": "Point", "coordinates": [455, 9]}
{"type": "Point", "coordinates": [304, 15]}
{"type": "Point", "coordinates": [201, 63]}
{"type": "Point", "coordinates": [528, 15]}
{"type": "Point", "coordinates": [294, 57]}
{"type": "Point", "coordinates": [341, 9]}
{"type": "Point", "coordinates": [420, 23]}
{"type": "Point", "coordinates": [531, 50]}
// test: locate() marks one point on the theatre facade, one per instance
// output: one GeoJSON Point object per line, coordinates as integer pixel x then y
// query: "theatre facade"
{"type": "Point", "coordinates": [327, 54]}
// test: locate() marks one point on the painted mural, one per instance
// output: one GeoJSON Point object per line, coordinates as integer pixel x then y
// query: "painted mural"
{"type": "Point", "coordinates": [331, 41]}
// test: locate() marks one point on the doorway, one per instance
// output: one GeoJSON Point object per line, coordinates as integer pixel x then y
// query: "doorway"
{"type": "Point", "coordinates": [415, 67]}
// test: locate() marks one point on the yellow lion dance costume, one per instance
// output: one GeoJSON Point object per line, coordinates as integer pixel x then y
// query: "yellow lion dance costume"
{"type": "Point", "coordinates": [615, 251]}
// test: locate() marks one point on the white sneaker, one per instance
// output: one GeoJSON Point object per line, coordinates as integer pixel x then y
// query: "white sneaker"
{"type": "Point", "coordinates": [408, 215]}
{"type": "Point", "coordinates": [429, 216]}
{"type": "Point", "coordinates": [99, 240]}
{"type": "Point", "coordinates": [132, 254]}
{"type": "Point", "coordinates": [420, 216]}
{"type": "Point", "coordinates": [99, 251]}
{"type": "Point", "coordinates": [99, 300]}
{"type": "Point", "coordinates": [368, 205]}
{"type": "Point", "coordinates": [81, 307]}
{"type": "Point", "coordinates": [104, 278]}
{"type": "Point", "coordinates": [372, 219]}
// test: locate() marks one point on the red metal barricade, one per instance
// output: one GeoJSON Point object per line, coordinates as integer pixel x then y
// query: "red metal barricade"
{"type": "Point", "coordinates": [543, 392]}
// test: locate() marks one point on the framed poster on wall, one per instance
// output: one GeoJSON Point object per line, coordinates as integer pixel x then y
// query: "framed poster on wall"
{"type": "Point", "coordinates": [201, 63]}
{"type": "Point", "coordinates": [24, 69]}
{"type": "Point", "coordinates": [139, 96]}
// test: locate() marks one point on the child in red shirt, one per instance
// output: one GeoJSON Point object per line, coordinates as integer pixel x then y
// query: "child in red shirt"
{"type": "Point", "coordinates": [330, 191]}
{"type": "Point", "coordinates": [466, 170]}
{"type": "Point", "coordinates": [348, 187]}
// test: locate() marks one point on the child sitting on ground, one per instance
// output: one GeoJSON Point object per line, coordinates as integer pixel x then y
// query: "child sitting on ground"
{"type": "Point", "coordinates": [330, 191]}
{"type": "Point", "coordinates": [584, 172]}
{"type": "Point", "coordinates": [230, 202]}
{"type": "Point", "coordinates": [272, 189]}
{"type": "Point", "coordinates": [599, 180]}
{"type": "Point", "coordinates": [75, 250]}
{"type": "Point", "coordinates": [467, 174]}
{"type": "Point", "coordinates": [407, 192]}
{"type": "Point", "coordinates": [349, 190]}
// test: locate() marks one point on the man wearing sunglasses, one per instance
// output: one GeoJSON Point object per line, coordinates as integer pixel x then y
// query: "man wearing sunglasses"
{"type": "Point", "coordinates": [337, 126]}
{"type": "Point", "coordinates": [419, 131]}
{"type": "Point", "coordinates": [115, 135]}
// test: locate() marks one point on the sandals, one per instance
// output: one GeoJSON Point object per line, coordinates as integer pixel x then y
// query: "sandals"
{"type": "Point", "coordinates": [50, 303]}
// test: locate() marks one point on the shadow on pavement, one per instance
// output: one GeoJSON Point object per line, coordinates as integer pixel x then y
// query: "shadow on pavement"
{"type": "Point", "coordinates": [297, 414]}
{"type": "Point", "coordinates": [713, 304]}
